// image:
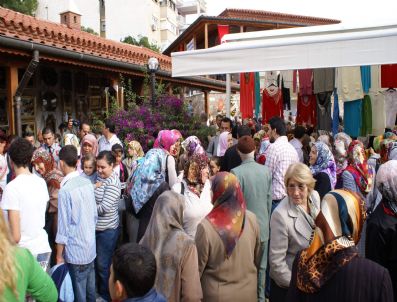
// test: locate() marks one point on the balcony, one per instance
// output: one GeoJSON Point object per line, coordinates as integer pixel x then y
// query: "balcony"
{"type": "Point", "coordinates": [189, 7]}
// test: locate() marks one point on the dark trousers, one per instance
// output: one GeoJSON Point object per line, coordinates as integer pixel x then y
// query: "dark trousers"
{"type": "Point", "coordinates": [277, 293]}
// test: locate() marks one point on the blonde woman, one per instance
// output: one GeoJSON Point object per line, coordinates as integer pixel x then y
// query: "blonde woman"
{"type": "Point", "coordinates": [291, 227]}
{"type": "Point", "coordinates": [20, 273]}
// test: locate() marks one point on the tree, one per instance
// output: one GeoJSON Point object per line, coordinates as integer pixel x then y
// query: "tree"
{"type": "Point", "coordinates": [27, 7]}
{"type": "Point", "coordinates": [141, 41]}
{"type": "Point", "coordinates": [89, 30]}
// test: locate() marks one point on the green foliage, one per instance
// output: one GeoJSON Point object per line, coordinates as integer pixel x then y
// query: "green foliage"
{"type": "Point", "coordinates": [89, 30]}
{"type": "Point", "coordinates": [27, 7]}
{"type": "Point", "coordinates": [141, 41]}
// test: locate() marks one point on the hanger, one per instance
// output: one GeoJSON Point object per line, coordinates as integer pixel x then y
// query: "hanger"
{"type": "Point", "coordinates": [390, 89]}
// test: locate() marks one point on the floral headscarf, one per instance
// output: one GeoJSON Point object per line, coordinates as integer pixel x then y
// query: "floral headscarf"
{"type": "Point", "coordinates": [52, 175]}
{"type": "Point", "coordinates": [259, 135]}
{"type": "Point", "coordinates": [358, 167]}
{"type": "Point", "coordinates": [388, 149]}
{"type": "Point", "coordinates": [325, 162]}
{"type": "Point", "coordinates": [196, 164]}
{"type": "Point", "coordinates": [338, 230]}
{"type": "Point", "coordinates": [193, 146]}
{"type": "Point", "coordinates": [136, 146]}
{"type": "Point", "coordinates": [90, 139]}
{"type": "Point", "coordinates": [325, 139]}
{"type": "Point", "coordinates": [386, 182]}
{"type": "Point", "coordinates": [223, 144]}
{"type": "Point", "coordinates": [228, 215]}
{"type": "Point", "coordinates": [167, 138]}
{"type": "Point", "coordinates": [341, 144]}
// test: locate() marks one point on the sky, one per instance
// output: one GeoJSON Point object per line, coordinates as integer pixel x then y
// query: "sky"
{"type": "Point", "coordinates": [348, 11]}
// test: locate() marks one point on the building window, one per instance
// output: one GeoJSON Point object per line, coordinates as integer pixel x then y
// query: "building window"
{"type": "Point", "coordinates": [75, 19]}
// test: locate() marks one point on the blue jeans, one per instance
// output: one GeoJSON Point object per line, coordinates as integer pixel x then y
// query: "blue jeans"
{"type": "Point", "coordinates": [105, 244]}
{"type": "Point", "coordinates": [83, 281]}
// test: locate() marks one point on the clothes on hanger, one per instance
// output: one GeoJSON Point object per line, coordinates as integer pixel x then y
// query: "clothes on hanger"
{"type": "Point", "coordinates": [366, 116]}
{"type": "Point", "coordinates": [391, 107]}
{"type": "Point", "coordinates": [352, 117]}
{"type": "Point", "coordinates": [324, 119]}
{"type": "Point", "coordinates": [306, 109]}
{"type": "Point", "coordinates": [247, 94]}
{"type": "Point", "coordinates": [323, 80]}
{"type": "Point", "coordinates": [366, 78]}
{"type": "Point", "coordinates": [389, 75]}
{"type": "Point", "coordinates": [348, 83]}
{"type": "Point", "coordinates": [272, 104]}
{"type": "Point", "coordinates": [379, 116]}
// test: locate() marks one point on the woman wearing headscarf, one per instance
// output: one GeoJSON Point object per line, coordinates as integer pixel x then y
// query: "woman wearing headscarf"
{"type": "Point", "coordinates": [196, 190]}
{"type": "Point", "coordinates": [44, 164]}
{"type": "Point", "coordinates": [88, 144]}
{"type": "Point", "coordinates": [170, 142]}
{"type": "Point", "coordinates": [381, 243]}
{"type": "Point", "coordinates": [176, 254]}
{"type": "Point", "coordinates": [388, 150]}
{"type": "Point", "coordinates": [134, 153]}
{"type": "Point", "coordinates": [291, 227]}
{"type": "Point", "coordinates": [323, 168]}
{"type": "Point", "coordinates": [191, 146]}
{"type": "Point", "coordinates": [225, 141]}
{"type": "Point", "coordinates": [330, 268]}
{"type": "Point", "coordinates": [228, 245]}
{"type": "Point", "coordinates": [341, 144]}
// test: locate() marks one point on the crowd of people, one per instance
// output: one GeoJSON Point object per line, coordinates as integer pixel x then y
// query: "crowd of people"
{"type": "Point", "coordinates": [276, 211]}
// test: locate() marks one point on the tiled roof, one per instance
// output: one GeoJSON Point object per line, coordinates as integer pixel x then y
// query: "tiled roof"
{"type": "Point", "coordinates": [261, 15]}
{"type": "Point", "coordinates": [27, 28]}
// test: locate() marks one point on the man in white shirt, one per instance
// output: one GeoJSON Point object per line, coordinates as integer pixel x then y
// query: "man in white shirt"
{"type": "Point", "coordinates": [50, 145]}
{"type": "Point", "coordinates": [279, 156]}
{"type": "Point", "coordinates": [109, 138]}
{"type": "Point", "coordinates": [25, 201]}
{"type": "Point", "coordinates": [296, 142]}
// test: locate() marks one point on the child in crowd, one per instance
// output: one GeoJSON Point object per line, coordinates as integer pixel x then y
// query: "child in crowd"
{"type": "Point", "coordinates": [215, 165]}
{"type": "Point", "coordinates": [88, 165]}
{"type": "Point", "coordinates": [132, 274]}
{"type": "Point", "coordinates": [119, 167]}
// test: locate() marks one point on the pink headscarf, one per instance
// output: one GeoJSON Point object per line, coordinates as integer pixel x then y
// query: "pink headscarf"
{"type": "Point", "coordinates": [223, 144]}
{"type": "Point", "coordinates": [91, 139]}
{"type": "Point", "coordinates": [167, 138]}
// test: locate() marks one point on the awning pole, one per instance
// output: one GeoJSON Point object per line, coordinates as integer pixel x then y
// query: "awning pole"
{"type": "Point", "coordinates": [228, 94]}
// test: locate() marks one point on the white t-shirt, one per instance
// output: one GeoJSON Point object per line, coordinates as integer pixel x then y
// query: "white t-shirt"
{"type": "Point", "coordinates": [106, 145]}
{"type": "Point", "coordinates": [28, 194]}
{"type": "Point", "coordinates": [196, 208]}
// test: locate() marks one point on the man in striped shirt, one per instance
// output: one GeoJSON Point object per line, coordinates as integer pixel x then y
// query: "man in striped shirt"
{"type": "Point", "coordinates": [279, 156]}
{"type": "Point", "coordinates": [77, 217]}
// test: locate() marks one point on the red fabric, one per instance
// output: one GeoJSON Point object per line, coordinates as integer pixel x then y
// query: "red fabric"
{"type": "Point", "coordinates": [305, 81]}
{"type": "Point", "coordinates": [272, 104]}
{"type": "Point", "coordinates": [247, 94]}
{"type": "Point", "coordinates": [222, 30]}
{"type": "Point", "coordinates": [389, 76]}
{"type": "Point", "coordinates": [306, 110]}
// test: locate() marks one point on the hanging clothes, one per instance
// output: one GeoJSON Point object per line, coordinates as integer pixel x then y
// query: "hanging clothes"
{"type": "Point", "coordinates": [323, 80]}
{"type": "Point", "coordinates": [375, 79]}
{"type": "Point", "coordinates": [286, 96]}
{"type": "Point", "coordinates": [286, 77]}
{"type": "Point", "coordinates": [366, 78]}
{"type": "Point", "coordinates": [378, 119]}
{"type": "Point", "coordinates": [305, 81]}
{"type": "Point", "coordinates": [348, 82]}
{"type": "Point", "coordinates": [247, 94]}
{"type": "Point", "coordinates": [324, 120]}
{"type": "Point", "coordinates": [257, 94]}
{"type": "Point", "coordinates": [391, 108]}
{"type": "Point", "coordinates": [366, 116]}
{"type": "Point", "coordinates": [271, 78]}
{"type": "Point", "coordinates": [352, 117]}
{"type": "Point", "coordinates": [306, 110]}
{"type": "Point", "coordinates": [272, 104]}
{"type": "Point", "coordinates": [222, 30]}
{"type": "Point", "coordinates": [335, 116]}
{"type": "Point", "coordinates": [389, 76]}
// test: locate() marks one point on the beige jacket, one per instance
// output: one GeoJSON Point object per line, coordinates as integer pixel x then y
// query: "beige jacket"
{"type": "Point", "coordinates": [233, 278]}
{"type": "Point", "coordinates": [289, 233]}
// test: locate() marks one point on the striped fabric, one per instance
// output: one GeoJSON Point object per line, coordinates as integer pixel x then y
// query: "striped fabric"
{"type": "Point", "coordinates": [77, 216]}
{"type": "Point", "coordinates": [107, 199]}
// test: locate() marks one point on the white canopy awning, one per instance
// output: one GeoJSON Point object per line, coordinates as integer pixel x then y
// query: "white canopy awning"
{"type": "Point", "coordinates": [295, 48]}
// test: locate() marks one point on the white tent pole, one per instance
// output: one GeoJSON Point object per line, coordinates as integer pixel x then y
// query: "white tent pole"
{"type": "Point", "coordinates": [228, 94]}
